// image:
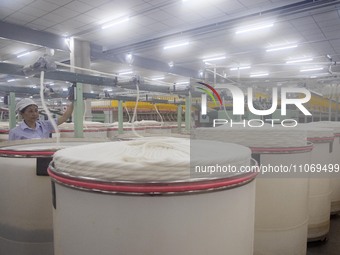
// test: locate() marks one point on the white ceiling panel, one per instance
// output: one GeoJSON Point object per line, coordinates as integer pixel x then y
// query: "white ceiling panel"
{"type": "Point", "coordinates": [26, 17]}
{"type": "Point", "coordinates": [65, 13]}
{"type": "Point", "coordinates": [330, 29]}
{"type": "Point", "coordinates": [250, 4]}
{"type": "Point", "coordinates": [78, 6]}
{"type": "Point", "coordinates": [140, 7]}
{"type": "Point", "coordinates": [53, 18]}
{"type": "Point", "coordinates": [310, 37]}
{"type": "Point", "coordinates": [93, 3]}
{"type": "Point", "coordinates": [44, 5]}
{"type": "Point", "coordinates": [15, 4]}
{"type": "Point", "coordinates": [85, 19]}
{"type": "Point", "coordinates": [4, 12]}
{"type": "Point", "coordinates": [60, 2]}
{"type": "Point", "coordinates": [231, 6]}
{"type": "Point", "coordinates": [42, 22]}
{"type": "Point", "coordinates": [33, 11]}
{"type": "Point", "coordinates": [327, 16]}
{"type": "Point", "coordinates": [334, 34]}
{"type": "Point", "coordinates": [192, 17]}
{"type": "Point", "coordinates": [37, 26]}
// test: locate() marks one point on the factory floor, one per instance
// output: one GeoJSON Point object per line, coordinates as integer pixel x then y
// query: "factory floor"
{"type": "Point", "coordinates": [332, 245]}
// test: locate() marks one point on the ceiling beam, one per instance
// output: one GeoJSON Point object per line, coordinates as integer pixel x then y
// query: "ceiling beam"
{"type": "Point", "coordinates": [45, 39]}
{"type": "Point", "coordinates": [12, 69]}
{"type": "Point", "coordinates": [142, 62]}
{"type": "Point", "coordinates": [27, 35]}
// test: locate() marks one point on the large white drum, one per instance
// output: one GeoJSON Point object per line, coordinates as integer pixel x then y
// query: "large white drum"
{"type": "Point", "coordinates": [4, 135]}
{"type": "Point", "coordinates": [335, 177]}
{"type": "Point", "coordinates": [281, 211]}
{"type": "Point", "coordinates": [4, 130]}
{"type": "Point", "coordinates": [143, 201]}
{"type": "Point", "coordinates": [25, 195]}
{"type": "Point", "coordinates": [281, 208]}
{"type": "Point", "coordinates": [335, 180]}
{"type": "Point", "coordinates": [319, 183]}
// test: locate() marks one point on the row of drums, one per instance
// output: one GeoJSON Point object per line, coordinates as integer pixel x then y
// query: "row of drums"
{"type": "Point", "coordinates": [109, 130]}
{"type": "Point", "coordinates": [148, 202]}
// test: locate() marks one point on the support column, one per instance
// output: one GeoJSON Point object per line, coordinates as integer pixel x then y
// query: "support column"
{"type": "Point", "coordinates": [78, 112]}
{"type": "Point", "coordinates": [336, 103]}
{"type": "Point", "coordinates": [80, 56]}
{"type": "Point", "coordinates": [12, 120]}
{"type": "Point", "coordinates": [330, 109]}
{"type": "Point", "coordinates": [120, 117]}
{"type": "Point", "coordinates": [179, 118]}
{"type": "Point", "coordinates": [188, 113]}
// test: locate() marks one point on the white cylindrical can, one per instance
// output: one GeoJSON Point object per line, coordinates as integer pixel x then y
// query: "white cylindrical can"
{"type": "Point", "coordinates": [320, 183]}
{"type": "Point", "coordinates": [281, 208]}
{"type": "Point", "coordinates": [4, 135]}
{"type": "Point", "coordinates": [119, 215]}
{"type": "Point", "coordinates": [25, 195]}
{"type": "Point", "coordinates": [335, 177]}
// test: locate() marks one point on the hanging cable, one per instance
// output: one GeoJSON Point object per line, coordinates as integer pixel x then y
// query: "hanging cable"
{"type": "Point", "coordinates": [162, 122]}
{"type": "Point", "coordinates": [225, 110]}
{"type": "Point", "coordinates": [108, 74]}
{"type": "Point", "coordinates": [84, 113]}
{"type": "Point", "coordinates": [127, 111]}
{"type": "Point", "coordinates": [134, 116]}
{"type": "Point", "coordinates": [42, 75]}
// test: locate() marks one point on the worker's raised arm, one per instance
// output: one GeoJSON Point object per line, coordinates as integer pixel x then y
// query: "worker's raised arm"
{"type": "Point", "coordinates": [67, 114]}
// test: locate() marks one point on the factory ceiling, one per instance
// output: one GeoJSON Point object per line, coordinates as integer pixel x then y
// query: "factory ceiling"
{"type": "Point", "coordinates": [173, 41]}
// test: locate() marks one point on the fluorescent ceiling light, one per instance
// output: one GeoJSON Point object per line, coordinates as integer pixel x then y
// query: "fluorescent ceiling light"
{"type": "Point", "coordinates": [282, 48]}
{"type": "Point", "coordinates": [253, 28]}
{"type": "Point", "coordinates": [157, 78]}
{"type": "Point", "coordinates": [115, 23]}
{"type": "Point", "coordinates": [23, 54]}
{"type": "Point", "coordinates": [124, 73]}
{"type": "Point", "coordinates": [299, 60]}
{"type": "Point", "coordinates": [311, 69]}
{"type": "Point", "coordinates": [258, 74]}
{"type": "Point", "coordinates": [239, 68]}
{"type": "Point", "coordinates": [65, 89]}
{"type": "Point", "coordinates": [182, 83]}
{"type": "Point", "coordinates": [10, 80]}
{"type": "Point", "coordinates": [109, 90]}
{"type": "Point", "coordinates": [213, 59]}
{"type": "Point", "coordinates": [175, 45]}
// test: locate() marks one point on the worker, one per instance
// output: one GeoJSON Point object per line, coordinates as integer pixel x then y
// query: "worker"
{"type": "Point", "coordinates": [31, 127]}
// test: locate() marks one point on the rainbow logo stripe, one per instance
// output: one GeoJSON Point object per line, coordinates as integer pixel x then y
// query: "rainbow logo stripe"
{"type": "Point", "coordinates": [208, 92]}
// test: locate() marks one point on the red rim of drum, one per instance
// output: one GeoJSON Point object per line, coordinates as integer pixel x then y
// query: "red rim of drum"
{"type": "Point", "coordinates": [282, 150]}
{"type": "Point", "coordinates": [153, 188]}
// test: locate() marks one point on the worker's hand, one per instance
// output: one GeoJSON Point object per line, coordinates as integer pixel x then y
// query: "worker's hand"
{"type": "Point", "coordinates": [71, 92]}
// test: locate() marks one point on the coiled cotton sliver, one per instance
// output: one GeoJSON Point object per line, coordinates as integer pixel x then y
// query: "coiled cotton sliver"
{"type": "Point", "coordinates": [147, 159]}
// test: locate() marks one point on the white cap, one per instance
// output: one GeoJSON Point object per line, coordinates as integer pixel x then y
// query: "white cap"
{"type": "Point", "coordinates": [23, 103]}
